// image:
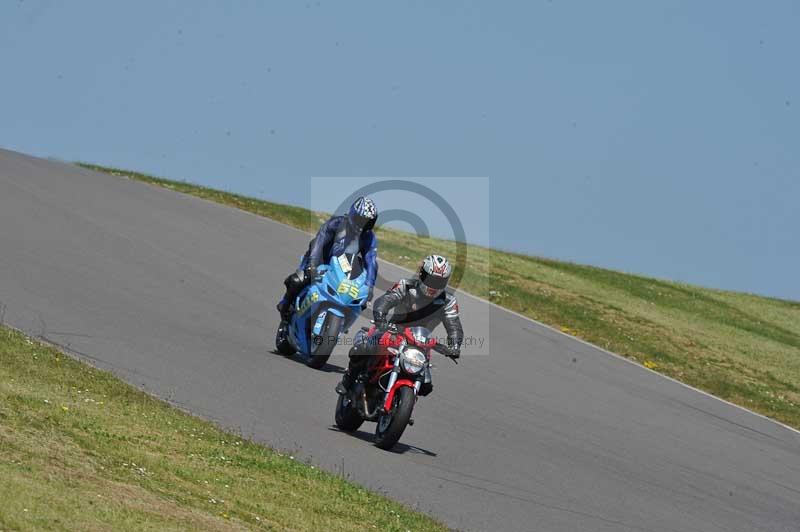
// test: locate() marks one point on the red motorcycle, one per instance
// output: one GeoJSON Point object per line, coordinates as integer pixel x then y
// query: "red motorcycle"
{"type": "Point", "coordinates": [388, 388]}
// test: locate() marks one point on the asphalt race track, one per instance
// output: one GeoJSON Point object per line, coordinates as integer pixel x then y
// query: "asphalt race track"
{"type": "Point", "coordinates": [176, 295]}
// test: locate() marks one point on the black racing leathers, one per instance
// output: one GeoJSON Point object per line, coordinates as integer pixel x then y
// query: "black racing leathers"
{"type": "Point", "coordinates": [334, 238]}
{"type": "Point", "coordinates": [406, 305]}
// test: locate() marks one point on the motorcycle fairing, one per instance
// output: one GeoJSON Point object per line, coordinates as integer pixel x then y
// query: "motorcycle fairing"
{"type": "Point", "coordinates": [337, 291]}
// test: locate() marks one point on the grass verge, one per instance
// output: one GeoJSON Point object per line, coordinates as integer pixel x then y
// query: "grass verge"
{"type": "Point", "coordinates": [740, 347]}
{"type": "Point", "coordinates": [81, 450]}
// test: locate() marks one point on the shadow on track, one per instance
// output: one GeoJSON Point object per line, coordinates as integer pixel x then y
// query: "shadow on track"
{"type": "Point", "coordinates": [399, 448]}
{"type": "Point", "coordinates": [327, 368]}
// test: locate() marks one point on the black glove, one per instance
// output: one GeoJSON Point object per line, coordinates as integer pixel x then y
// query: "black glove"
{"type": "Point", "coordinates": [381, 323]}
{"type": "Point", "coordinates": [454, 348]}
{"type": "Point", "coordinates": [371, 293]}
{"type": "Point", "coordinates": [310, 273]}
{"type": "Point", "coordinates": [367, 299]}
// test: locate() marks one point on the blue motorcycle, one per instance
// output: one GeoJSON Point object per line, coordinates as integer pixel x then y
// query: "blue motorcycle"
{"type": "Point", "coordinates": [324, 309]}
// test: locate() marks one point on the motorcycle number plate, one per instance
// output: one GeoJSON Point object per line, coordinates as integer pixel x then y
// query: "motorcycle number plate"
{"type": "Point", "coordinates": [344, 263]}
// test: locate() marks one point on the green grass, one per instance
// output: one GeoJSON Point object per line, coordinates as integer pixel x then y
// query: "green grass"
{"type": "Point", "coordinates": [741, 347]}
{"type": "Point", "coordinates": [81, 450]}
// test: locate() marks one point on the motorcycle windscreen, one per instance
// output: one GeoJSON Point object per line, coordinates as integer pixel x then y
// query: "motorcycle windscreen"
{"type": "Point", "coordinates": [358, 266]}
{"type": "Point", "coordinates": [351, 264]}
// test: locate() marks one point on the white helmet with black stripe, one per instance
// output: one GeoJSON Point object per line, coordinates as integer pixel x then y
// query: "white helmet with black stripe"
{"type": "Point", "coordinates": [434, 273]}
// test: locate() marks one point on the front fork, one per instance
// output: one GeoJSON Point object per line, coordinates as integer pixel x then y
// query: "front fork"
{"type": "Point", "coordinates": [390, 385]}
{"type": "Point", "coordinates": [392, 380]}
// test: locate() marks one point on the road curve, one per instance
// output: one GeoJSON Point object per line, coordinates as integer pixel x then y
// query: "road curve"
{"type": "Point", "coordinates": [175, 295]}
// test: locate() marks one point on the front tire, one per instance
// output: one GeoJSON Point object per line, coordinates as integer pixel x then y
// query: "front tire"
{"type": "Point", "coordinates": [321, 352]}
{"type": "Point", "coordinates": [391, 425]}
{"type": "Point", "coordinates": [347, 417]}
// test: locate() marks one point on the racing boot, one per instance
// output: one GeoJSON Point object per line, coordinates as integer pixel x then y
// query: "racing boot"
{"type": "Point", "coordinates": [343, 388]}
{"type": "Point", "coordinates": [294, 283]}
{"type": "Point", "coordinates": [354, 367]}
{"type": "Point", "coordinates": [285, 308]}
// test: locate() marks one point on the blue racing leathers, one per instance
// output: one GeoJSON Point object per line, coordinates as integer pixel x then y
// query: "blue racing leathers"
{"type": "Point", "coordinates": [335, 237]}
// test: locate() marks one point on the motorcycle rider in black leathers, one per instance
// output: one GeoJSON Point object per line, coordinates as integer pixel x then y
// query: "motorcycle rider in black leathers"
{"type": "Point", "coordinates": [420, 301]}
{"type": "Point", "coordinates": [349, 233]}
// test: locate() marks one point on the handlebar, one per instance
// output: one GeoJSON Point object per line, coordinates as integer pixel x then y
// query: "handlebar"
{"type": "Point", "coordinates": [439, 348]}
{"type": "Point", "coordinates": [390, 327]}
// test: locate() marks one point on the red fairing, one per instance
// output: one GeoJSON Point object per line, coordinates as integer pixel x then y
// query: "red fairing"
{"type": "Point", "coordinates": [385, 360]}
{"type": "Point", "coordinates": [387, 339]}
{"type": "Point", "coordinates": [390, 340]}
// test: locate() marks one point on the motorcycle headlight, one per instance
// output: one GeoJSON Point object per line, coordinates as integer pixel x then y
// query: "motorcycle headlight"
{"type": "Point", "coordinates": [413, 360]}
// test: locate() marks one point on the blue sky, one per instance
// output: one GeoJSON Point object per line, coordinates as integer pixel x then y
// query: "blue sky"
{"type": "Point", "coordinates": [656, 137]}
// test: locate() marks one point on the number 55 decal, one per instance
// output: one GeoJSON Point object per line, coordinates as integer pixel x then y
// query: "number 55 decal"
{"type": "Point", "coordinates": [346, 287]}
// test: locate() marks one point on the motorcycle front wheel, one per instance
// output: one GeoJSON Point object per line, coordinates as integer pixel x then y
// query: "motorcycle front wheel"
{"type": "Point", "coordinates": [322, 345]}
{"type": "Point", "coordinates": [392, 424]}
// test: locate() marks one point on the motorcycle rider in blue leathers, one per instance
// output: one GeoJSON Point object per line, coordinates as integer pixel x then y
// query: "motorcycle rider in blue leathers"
{"type": "Point", "coordinates": [350, 233]}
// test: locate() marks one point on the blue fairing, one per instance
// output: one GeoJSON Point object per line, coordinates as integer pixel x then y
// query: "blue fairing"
{"type": "Point", "coordinates": [336, 293]}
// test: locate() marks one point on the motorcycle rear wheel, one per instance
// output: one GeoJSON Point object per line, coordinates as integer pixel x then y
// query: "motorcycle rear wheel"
{"type": "Point", "coordinates": [347, 417]}
{"type": "Point", "coordinates": [391, 425]}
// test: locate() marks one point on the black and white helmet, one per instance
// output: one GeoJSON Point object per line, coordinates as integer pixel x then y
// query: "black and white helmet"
{"type": "Point", "coordinates": [362, 214]}
{"type": "Point", "coordinates": [434, 272]}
